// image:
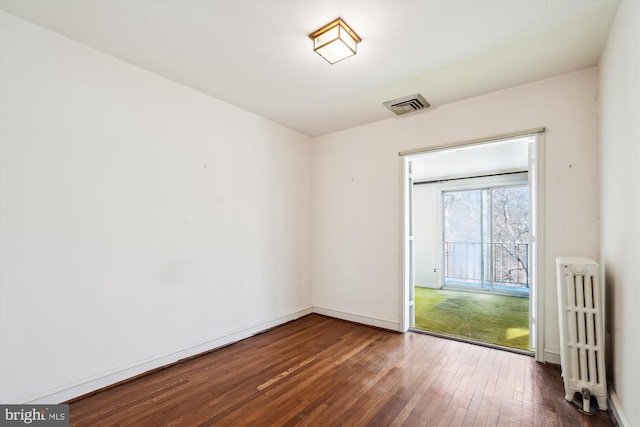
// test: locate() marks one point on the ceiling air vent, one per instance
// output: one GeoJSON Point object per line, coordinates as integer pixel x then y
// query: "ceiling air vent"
{"type": "Point", "coordinates": [407, 104]}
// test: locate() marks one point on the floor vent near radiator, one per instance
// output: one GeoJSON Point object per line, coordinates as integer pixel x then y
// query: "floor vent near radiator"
{"type": "Point", "coordinates": [580, 308]}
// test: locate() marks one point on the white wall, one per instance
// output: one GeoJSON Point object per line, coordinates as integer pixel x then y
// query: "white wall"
{"type": "Point", "coordinates": [141, 221]}
{"type": "Point", "coordinates": [426, 232]}
{"type": "Point", "coordinates": [357, 201]}
{"type": "Point", "coordinates": [620, 207]}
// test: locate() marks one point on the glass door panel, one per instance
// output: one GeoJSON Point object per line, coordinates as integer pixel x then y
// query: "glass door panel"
{"type": "Point", "coordinates": [510, 237]}
{"type": "Point", "coordinates": [486, 238]}
{"type": "Point", "coordinates": [462, 238]}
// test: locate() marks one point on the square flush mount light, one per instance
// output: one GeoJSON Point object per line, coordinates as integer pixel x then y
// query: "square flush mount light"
{"type": "Point", "coordinates": [335, 41]}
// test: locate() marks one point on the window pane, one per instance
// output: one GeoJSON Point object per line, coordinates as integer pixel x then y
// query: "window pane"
{"type": "Point", "coordinates": [511, 235]}
{"type": "Point", "coordinates": [462, 236]}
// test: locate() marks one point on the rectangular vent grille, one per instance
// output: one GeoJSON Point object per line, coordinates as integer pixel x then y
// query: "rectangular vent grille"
{"type": "Point", "coordinates": [407, 104]}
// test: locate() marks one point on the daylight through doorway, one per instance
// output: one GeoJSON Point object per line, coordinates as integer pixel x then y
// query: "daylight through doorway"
{"type": "Point", "coordinates": [470, 251]}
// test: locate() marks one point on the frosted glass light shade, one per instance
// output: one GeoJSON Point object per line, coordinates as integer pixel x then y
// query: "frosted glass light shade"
{"type": "Point", "coordinates": [335, 41]}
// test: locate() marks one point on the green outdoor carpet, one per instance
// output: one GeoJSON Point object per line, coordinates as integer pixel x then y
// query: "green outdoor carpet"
{"type": "Point", "coordinates": [494, 319]}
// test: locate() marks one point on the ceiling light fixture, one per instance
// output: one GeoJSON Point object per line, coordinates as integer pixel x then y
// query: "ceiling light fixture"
{"type": "Point", "coordinates": [335, 41]}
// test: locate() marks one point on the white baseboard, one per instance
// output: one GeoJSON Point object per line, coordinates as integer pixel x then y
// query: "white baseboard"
{"type": "Point", "coordinates": [371, 321]}
{"type": "Point", "coordinates": [616, 409]}
{"type": "Point", "coordinates": [552, 356]}
{"type": "Point", "coordinates": [87, 385]}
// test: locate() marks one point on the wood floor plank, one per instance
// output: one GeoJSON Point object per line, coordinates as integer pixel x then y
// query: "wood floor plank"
{"type": "Point", "coordinates": [319, 371]}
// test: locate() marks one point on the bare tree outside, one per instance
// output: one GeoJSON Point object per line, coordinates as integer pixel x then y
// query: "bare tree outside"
{"type": "Point", "coordinates": [486, 235]}
{"type": "Point", "coordinates": [511, 234]}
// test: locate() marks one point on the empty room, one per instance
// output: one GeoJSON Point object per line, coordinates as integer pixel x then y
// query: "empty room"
{"type": "Point", "coordinates": [221, 212]}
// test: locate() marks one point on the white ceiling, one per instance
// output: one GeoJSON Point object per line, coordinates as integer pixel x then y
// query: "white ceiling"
{"type": "Point", "coordinates": [255, 54]}
{"type": "Point", "coordinates": [475, 160]}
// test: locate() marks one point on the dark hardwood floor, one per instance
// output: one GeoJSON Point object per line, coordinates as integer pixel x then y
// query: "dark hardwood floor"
{"type": "Point", "coordinates": [319, 371]}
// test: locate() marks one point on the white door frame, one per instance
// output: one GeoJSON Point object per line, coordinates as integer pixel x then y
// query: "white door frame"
{"type": "Point", "coordinates": [407, 248]}
{"type": "Point", "coordinates": [536, 180]}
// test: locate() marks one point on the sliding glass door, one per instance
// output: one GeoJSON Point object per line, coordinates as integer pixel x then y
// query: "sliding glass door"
{"type": "Point", "coordinates": [486, 238]}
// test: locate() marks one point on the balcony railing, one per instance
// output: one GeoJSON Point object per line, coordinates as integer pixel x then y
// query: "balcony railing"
{"type": "Point", "coordinates": [505, 264]}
